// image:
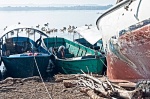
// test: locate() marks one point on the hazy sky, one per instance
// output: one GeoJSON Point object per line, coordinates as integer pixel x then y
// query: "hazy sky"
{"type": "Point", "coordinates": [43, 2]}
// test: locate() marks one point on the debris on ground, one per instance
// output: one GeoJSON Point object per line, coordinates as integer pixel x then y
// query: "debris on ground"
{"type": "Point", "coordinates": [79, 86]}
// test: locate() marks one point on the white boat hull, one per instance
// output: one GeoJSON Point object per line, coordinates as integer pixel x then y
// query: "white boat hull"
{"type": "Point", "coordinates": [125, 32]}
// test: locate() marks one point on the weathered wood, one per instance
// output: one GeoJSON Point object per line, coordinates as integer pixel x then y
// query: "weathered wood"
{"type": "Point", "coordinates": [93, 78]}
{"type": "Point", "coordinates": [10, 81]}
{"type": "Point", "coordinates": [8, 88]}
{"type": "Point", "coordinates": [91, 93]}
{"type": "Point", "coordinates": [112, 89]}
{"type": "Point", "coordinates": [128, 94]}
{"type": "Point", "coordinates": [61, 77]}
{"type": "Point", "coordinates": [127, 85]}
{"type": "Point", "coordinates": [70, 83]}
{"type": "Point", "coordinates": [7, 80]}
{"type": "Point", "coordinates": [35, 78]}
{"type": "Point", "coordinates": [99, 89]}
{"type": "Point", "coordinates": [101, 85]}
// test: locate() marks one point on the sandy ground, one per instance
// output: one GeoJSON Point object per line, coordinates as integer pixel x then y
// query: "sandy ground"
{"type": "Point", "coordinates": [33, 88]}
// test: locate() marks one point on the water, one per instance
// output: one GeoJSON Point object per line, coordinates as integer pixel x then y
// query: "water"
{"type": "Point", "coordinates": [56, 19]}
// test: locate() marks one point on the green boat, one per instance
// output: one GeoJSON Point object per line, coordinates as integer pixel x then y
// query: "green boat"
{"type": "Point", "coordinates": [23, 56]}
{"type": "Point", "coordinates": [78, 58]}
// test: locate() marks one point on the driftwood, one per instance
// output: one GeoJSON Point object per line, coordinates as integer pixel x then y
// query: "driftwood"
{"type": "Point", "coordinates": [10, 80]}
{"type": "Point", "coordinates": [7, 88]}
{"type": "Point", "coordinates": [91, 93]}
{"type": "Point", "coordinates": [124, 83]}
{"type": "Point", "coordinates": [100, 87]}
{"type": "Point", "coordinates": [70, 83]}
{"type": "Point", "coordinates": [35, 78]}
{"type": "Point", "coordinates": [107, 88]}
{"type": "Point", "coordinates": [96, 87]}
{"type": "Point", "coordinates": [61, 77]}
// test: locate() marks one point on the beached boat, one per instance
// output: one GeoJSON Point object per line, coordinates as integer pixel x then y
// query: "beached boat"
{"type": "Point", "coordinates": [23, 56]}
{"type": "Point", "coordinates": [126, 36]}
{"type": "Point", "coordinates": [78, 58]}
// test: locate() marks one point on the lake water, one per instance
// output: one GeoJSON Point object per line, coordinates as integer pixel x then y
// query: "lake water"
{"type": "Point", "coordinates": [56, 19]}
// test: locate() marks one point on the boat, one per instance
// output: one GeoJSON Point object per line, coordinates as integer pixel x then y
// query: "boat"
{"type": "Point", "coordinates": [22, 53]}
{"type": "Point", "coordinates": [125, 32]}
{"type": "Point", "coordinates": [78, 58]}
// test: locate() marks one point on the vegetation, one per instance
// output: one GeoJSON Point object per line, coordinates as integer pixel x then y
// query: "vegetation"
{"type": "Point", "coordinates": [27, 8]}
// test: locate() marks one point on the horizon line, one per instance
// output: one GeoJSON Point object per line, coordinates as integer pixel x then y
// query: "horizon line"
{"type": "Point", "coordinates": [44, 5]}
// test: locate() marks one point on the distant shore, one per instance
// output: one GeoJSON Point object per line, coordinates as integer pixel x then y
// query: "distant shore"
{"type": "Point", "coordinates": [28, 8]}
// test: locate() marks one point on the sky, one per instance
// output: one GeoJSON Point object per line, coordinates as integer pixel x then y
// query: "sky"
{"type": "Point", "coordinates": [46, 2]}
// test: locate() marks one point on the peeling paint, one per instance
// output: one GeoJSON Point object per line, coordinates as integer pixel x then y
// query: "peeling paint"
{"type": "Point", "coordinates": [132, 56]}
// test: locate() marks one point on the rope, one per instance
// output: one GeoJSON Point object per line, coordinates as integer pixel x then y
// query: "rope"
{"type": "Point", "coordinates": [103, 62]}
{"type": "Point", "coordinates": [42, 79]}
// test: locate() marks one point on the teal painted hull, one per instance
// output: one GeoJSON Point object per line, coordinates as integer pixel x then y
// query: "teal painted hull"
{"type": "Point", "coordinates": [74, 50]}
{"type": "Point", "coordinates": [20, 53]}
{"type": "Point", "coordinates": [23, 67]}
{"type": "Point", "coordinates": [77, 66]}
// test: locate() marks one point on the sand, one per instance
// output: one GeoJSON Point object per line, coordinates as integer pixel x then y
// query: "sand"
{"type": "Point", "coordinates": [33, 88]}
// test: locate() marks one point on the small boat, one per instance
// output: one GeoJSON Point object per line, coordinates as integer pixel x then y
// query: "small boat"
{"type": "Point", "coordinates": [22, 53]}
{"type": "Point", "coordinates": [126, 36]}
{"type": "Point", "coordinates": [78, 58]}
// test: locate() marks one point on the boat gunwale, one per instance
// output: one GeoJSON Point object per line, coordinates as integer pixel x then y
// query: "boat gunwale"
{"type": "Point", "coordinates": [26, 56]}
{"type": "Point", "coordinates": [117, 6]}
{"type": "Point", "coordinates": [71, 59]}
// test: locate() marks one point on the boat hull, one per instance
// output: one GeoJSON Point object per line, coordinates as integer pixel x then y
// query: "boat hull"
{"type": "Point", "coordinates": [95, 66]}
{"type": "Point", "coordinates": [126, 39]}
{"type": "Point", "coordinates": [77, 57]}
{"type": "Point", "coordinates": [22, 67]}
{"type": "Point", "coordinates": [134, 46]}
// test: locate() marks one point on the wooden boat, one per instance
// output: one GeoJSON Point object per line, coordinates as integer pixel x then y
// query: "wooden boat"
{"type": "Point", "coordinates": [23, 56]}
{"type": "Point", "coordinates": [78, 58]}
{"type": "Point", "coordinates": [126, 36]}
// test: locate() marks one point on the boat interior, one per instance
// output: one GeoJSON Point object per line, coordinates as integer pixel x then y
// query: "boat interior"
{"type": "Point", "coordinates": [21, 41]}
{"type": "Point", "coordinates": [20, 45]}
